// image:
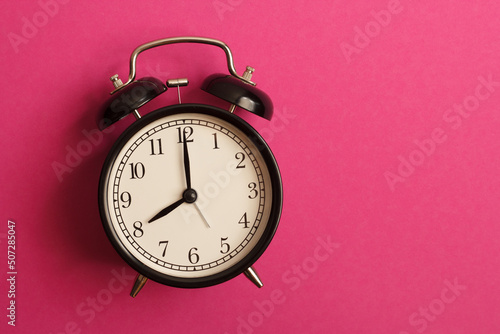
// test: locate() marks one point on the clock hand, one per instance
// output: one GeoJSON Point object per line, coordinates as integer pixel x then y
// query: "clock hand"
{"type": "Point", "coordinates": [188, 194]}
{"type": "Point", "coordinates": [167, 210]}
{"type": "Point", "coordinates": [187, 169]}
{"type": "Point", "coordinates": [201, 214]}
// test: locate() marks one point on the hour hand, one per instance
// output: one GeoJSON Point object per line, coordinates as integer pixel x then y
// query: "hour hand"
{"type": "Point", "coordinates": [167, 210]}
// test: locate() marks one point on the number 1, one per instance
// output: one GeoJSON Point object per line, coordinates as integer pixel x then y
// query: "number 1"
{"type": "Point", "coordinates": [215, 141]}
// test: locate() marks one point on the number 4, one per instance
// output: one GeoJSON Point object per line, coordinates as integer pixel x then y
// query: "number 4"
{"type": "Point", "coordinates": [244, 220]}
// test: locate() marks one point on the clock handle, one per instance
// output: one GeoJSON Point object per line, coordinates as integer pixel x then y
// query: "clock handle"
{"type": "Point", "coordinates": [174, 40]}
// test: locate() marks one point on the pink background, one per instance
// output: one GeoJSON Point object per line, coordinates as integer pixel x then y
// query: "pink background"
{"type": "Point", "coordinates": [386, 130]}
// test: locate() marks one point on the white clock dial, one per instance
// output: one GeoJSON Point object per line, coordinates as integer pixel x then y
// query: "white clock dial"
{"type": "Point", "coordinates": [207, 230]}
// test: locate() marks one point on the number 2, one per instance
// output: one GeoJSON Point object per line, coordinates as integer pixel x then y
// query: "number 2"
{"type": "Point", "coordinates": [241, 157]}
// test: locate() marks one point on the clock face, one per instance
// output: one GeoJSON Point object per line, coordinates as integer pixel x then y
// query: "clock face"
{"type": "Point", "coordinates": [190, 195]}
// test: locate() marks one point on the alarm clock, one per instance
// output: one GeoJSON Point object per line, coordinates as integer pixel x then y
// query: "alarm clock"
{"type": "Point", "coordinates": [190, 195]}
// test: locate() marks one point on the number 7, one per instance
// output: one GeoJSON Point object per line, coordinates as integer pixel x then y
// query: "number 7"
{"type": "Point", "coordinates": [164, 249]}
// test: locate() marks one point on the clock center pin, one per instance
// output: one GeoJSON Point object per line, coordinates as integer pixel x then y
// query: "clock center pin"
{"type": "Point", "coordinates": [190, 195]}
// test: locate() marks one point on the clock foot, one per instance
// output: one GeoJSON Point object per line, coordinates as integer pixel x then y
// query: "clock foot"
{"type": "Point", "coordinates": [139, 283]}
{"type": "Point", "coordinates": [251, 274]}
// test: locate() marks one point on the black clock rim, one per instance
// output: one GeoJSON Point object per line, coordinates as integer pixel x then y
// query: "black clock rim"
{"type": "Point", "coordinates": [274, 217]}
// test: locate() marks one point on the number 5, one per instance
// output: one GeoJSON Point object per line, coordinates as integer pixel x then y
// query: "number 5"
{"type": "Point", "coordinates": [224, 245]}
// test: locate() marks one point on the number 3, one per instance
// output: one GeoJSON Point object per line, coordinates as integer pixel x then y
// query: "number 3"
{"type": "Point", "coordinates": [253, 190]}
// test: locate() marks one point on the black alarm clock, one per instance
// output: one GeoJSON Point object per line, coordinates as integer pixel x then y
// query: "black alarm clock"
{"type": "Point", "coordinates": [190, 195]}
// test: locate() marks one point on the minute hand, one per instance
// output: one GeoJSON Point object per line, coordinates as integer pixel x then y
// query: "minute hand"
{"type": "Point", "coordinates": [167, 210]}
{"type": "Point", "coordinates": [187, 169]}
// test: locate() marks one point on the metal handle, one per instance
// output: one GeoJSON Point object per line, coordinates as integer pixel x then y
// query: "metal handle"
{"type": "Point", "coordinates": [173, 40]}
